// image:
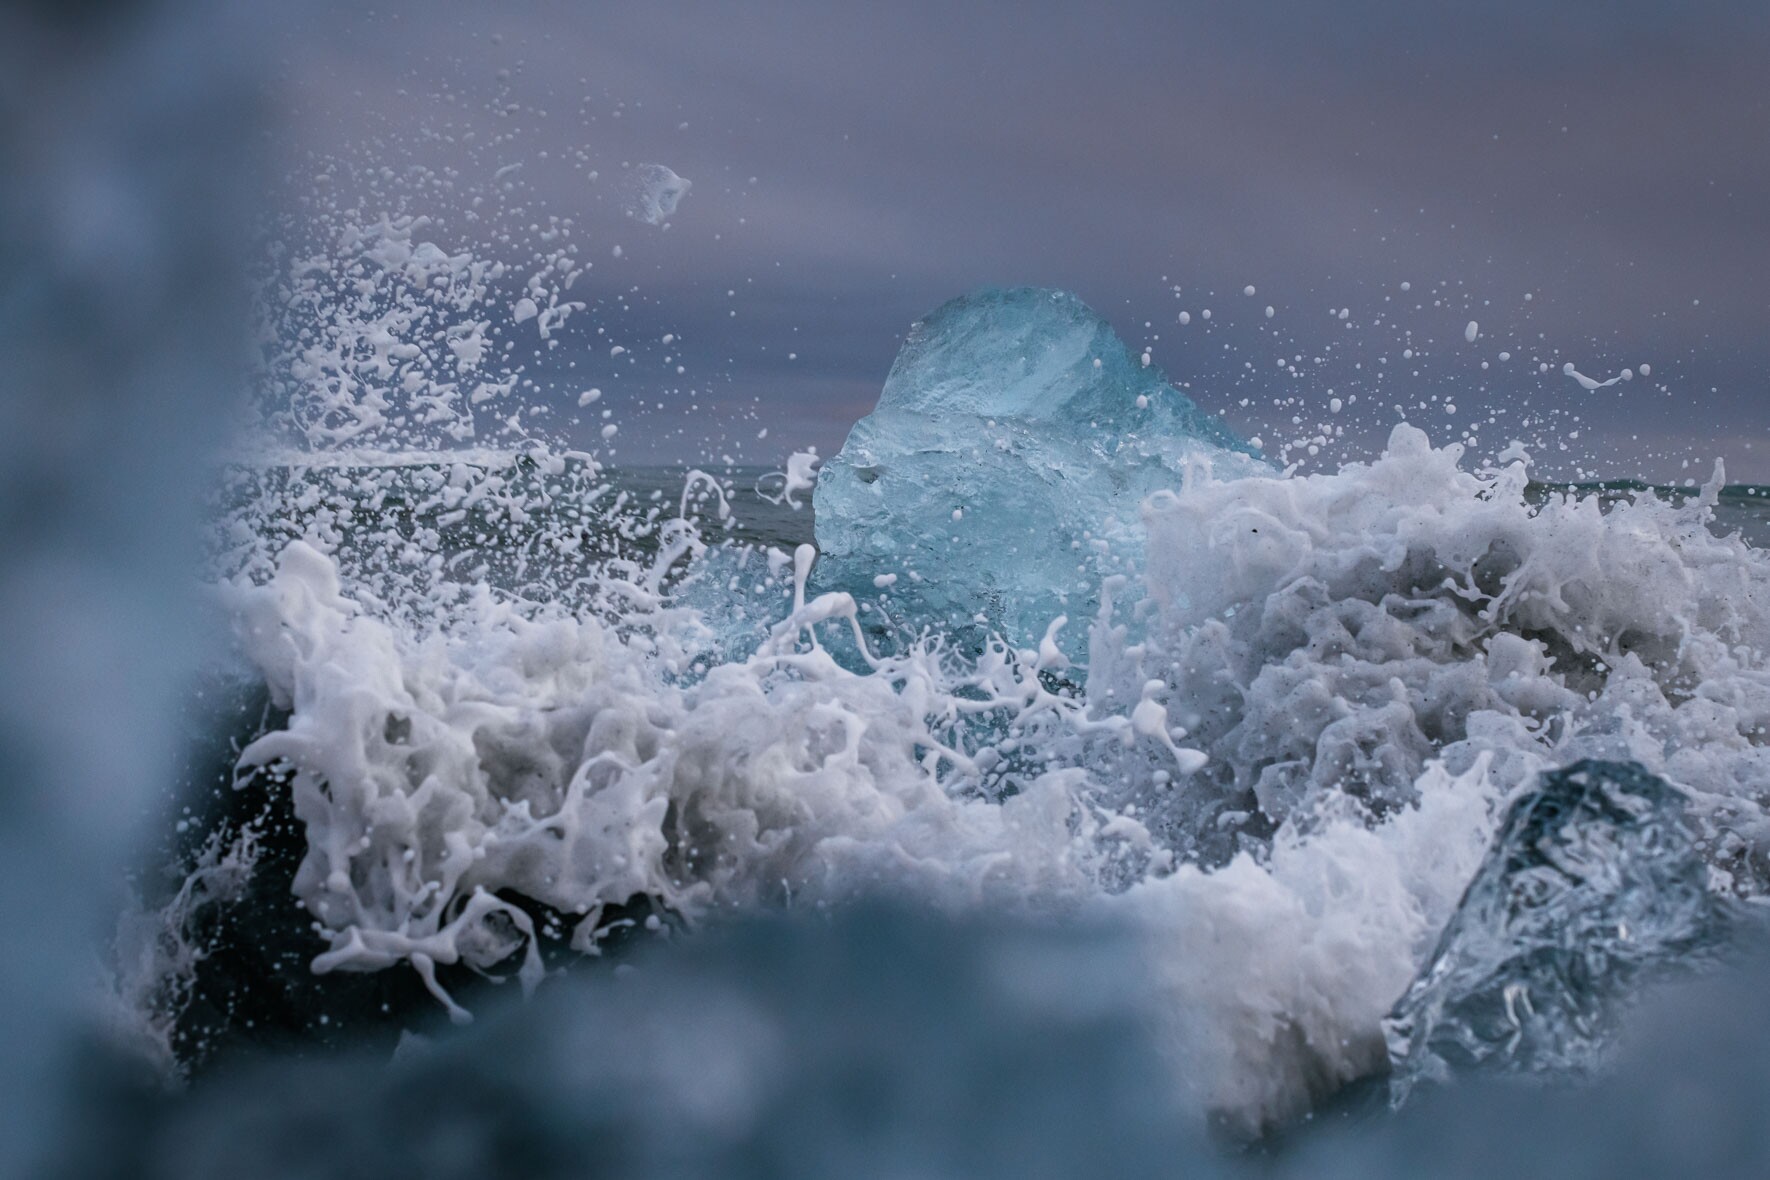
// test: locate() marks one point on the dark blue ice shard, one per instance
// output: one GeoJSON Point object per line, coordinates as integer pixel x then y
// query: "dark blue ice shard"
{"type": "Point", "coordinates": [1594, 887]}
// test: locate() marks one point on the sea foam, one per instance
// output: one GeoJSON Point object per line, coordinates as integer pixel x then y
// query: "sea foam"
{"type": "Point", "coordinates": [1283, 765]}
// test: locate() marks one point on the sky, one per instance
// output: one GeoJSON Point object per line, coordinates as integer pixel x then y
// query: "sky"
{"type": "Point", "coordinates": [1588, 181]}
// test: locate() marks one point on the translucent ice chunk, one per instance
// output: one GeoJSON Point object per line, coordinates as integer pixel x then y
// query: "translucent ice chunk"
{"type": "Point", "coordinates": [1001, 474]}
{"type": "Point", "coordinates": [656, 192]}
{"type": "Point", "coordinates": [1593, 884]}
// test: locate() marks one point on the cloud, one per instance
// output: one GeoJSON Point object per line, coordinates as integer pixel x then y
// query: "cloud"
{"type": "Point", "coordinates": [1604, 157]}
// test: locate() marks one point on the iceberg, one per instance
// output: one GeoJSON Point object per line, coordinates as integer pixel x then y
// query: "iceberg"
{"type": "Point", "coordinates": [998, 482]}
{"type": "Point", "coordinates": [1593, 886]}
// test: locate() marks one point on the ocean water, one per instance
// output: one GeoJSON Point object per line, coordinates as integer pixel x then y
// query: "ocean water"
{"type": "Point", "coordinates": [1452, 771]}
{"type": "Point", "coordinates": [535, 815]}
{"type": "Point", "coordinates": [960, 805]}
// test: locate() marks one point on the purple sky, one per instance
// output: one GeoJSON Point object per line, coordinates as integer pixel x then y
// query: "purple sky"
{"type": "Point", "coordinates": [1609, 160]}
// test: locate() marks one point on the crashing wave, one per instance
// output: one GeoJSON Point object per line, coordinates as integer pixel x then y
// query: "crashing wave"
{"type": "Point", "coordinates": [1284, 766]}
